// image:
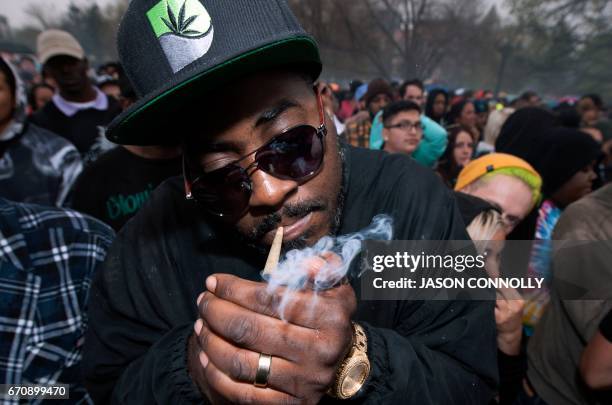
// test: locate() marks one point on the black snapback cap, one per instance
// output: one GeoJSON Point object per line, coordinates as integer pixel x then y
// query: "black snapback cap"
{"type": "Point", "coordinates": [175, 52]}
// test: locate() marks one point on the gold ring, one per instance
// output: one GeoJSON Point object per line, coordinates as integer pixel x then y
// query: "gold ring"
{"type": "Point", "coordinates": [263, 370]}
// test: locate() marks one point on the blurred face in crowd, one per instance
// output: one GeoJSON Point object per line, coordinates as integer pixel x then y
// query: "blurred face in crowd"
{"type": "Point", "coordinates": [534, 101]}
{"type": "Point", "coordinates": [111, 89]}
{"type": "Point", "coordinates": [7, 102]}
{"type": "Point", "coordinates": [414, 94]}
{"type": "Point", "coordinates": [467, 118]}
{"type": "Point", "coordinates": [464, 148]}
{"type": "Point", "coordinates": [403, 132]}
{"type": "Point", "coordinates": [244, 117]}
{"type": "Point", "coordinates": [439, 105]}
{"type": "Point", "coordinates": [588, 111]}
{"type": "Point", "coordinates": [379, 102]}
{"type": "Point", "coordinates": [481, 120]}
{"type": "Point", "coordinates": [510, 194]}
{"type": "Point", "coordinates": [576, 187]}
{"type": "Point", "coordinates": [69, 73]}
{"type": "Point", "coordinates": [27, 65]}
{"type": "Point", "coordinates": [42, 95]}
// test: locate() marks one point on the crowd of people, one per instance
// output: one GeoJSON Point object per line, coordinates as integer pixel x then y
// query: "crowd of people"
{"type": "Point", "coordinates": [182, 185]}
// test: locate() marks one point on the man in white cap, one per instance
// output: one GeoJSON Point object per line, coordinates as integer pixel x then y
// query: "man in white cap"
{"type": "Point", "coordinates": [78, 110]}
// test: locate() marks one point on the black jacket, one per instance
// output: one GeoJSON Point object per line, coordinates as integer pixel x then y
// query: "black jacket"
{"type": "Point", "coordinates": [143, 303]}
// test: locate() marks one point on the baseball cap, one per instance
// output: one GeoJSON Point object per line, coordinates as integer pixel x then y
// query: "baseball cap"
{"type": "Point", "coordinates": [53, 42]}
{"type": "Point", "coordinates": [176, 52]}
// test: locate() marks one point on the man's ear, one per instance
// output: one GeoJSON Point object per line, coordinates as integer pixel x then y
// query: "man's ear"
{"type": "Point", "coordinates": [385, 134]}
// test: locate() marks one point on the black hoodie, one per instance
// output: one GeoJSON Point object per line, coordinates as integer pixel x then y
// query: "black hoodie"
{"type": "Point", "coordinates": [143, 303]}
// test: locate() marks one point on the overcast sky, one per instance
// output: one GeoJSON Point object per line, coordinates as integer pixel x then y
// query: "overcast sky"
{"type": "Point", "coordinates": [13, 9]}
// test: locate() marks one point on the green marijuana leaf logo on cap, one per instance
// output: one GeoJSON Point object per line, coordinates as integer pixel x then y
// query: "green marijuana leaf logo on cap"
{"type": "Point", "coordinates": [183, 39]}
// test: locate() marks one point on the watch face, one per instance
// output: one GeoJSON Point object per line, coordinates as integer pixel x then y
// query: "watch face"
{"type": "Point", "coordinates": [355, 377]}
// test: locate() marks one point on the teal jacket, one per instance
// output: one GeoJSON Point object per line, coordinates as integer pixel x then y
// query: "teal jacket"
{"type": "Point", "coordinates": [430, 149]}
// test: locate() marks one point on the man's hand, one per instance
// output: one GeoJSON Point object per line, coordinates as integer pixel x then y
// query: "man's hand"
{"type": "Point", "coordinates": [509, 320]}
{"type": "Point", "coordinates": [239, 319]}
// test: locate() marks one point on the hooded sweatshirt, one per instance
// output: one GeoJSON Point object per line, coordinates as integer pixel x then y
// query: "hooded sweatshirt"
{"type": "Point", "coordinates": [36, 166]}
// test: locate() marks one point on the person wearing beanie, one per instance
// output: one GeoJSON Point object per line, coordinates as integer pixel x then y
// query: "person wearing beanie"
{"type": "Point", "coordinates": [569, 167]}
{"type": "Point", "coordinates": [36, 166]}
{"type": "Point", "coordinates": [78, 111]}
{"type": "Point", "coordinates": [504, 180]}
{"type": "Point", "coordinates": [522, 134]}
{"type": "Point", "coordinates": [378, 95]}
{"type": "Point", "coordinates": [181, 312]}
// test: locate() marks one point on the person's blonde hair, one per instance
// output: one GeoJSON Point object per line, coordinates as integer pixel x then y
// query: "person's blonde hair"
{"type": "Point", "coordinates": [496, 120]}
{"type": "Point", "coordinates": [484, 227]}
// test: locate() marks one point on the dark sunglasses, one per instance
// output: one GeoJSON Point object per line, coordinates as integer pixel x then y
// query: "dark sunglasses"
{"type": "Point", "coordinates": [295, 154]}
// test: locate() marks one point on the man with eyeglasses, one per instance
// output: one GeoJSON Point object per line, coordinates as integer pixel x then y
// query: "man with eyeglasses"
{"type": "Point", "coordinates": [402, 128]}
{"type": "Point", "coordinates": [433, 137]}
{"type": "Point", "coordinates": [180, 313]}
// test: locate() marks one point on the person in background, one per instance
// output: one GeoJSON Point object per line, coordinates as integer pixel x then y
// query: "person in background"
{"type": "Point", "coordinates": [463, 114]}
{"type": "Point", "coordinates": [377, 97]}
{"type": "Point", "coordinates": [436, 106]}
{"type": "Point", "coordinates": [524, 135]}
{"type": "Point", "coordinates": [78, 111]}
{"type": "Point", "coordinates": [360, 112]}
{"type": "Point", "coordinates": [504, 180]}
{"type": "Point", "coordinates": [40, 94]}
{"type": "Point", "coordinates": [590, 107]}
{"type": "Point", "coordinates": [434, 137]}
{"type": "Point", "coordinates": [114, 187]}
{"type": "Point", "coordinates": [111, 69]}
{"type": "Point", "coordinates": [581, 295]}
{"type": "Point", "coordinates": [569, 172]}
{"type": "Point", "coordinates": [528, 99]}
{"type": "Point", "coordinates": [349, 105]}
{"type": "Point", "coordinates": [457, 155]}
{"type": "Point", "coordinates": [109, 86]}
{"type": "Point", "coordinates": [403, 130]}
{"type": "Point", "coordinates": [413, 90]}
{"type": "Point", "coordinates": [596, 359]}
{"type": "Point", "coordinates": [26, 69]}
{"type": "Point", "coordinates": [481, 106]}
{"type": "Point", "coordinates": [487, 229]}
{"type": "Point", "coordinates": [36, 166]}
{"type": "Point", "coordinates": [48, 259]}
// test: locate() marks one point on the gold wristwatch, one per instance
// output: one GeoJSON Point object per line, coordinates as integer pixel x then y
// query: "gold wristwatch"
{"type": "Point", "coordinates": [355, 367]}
